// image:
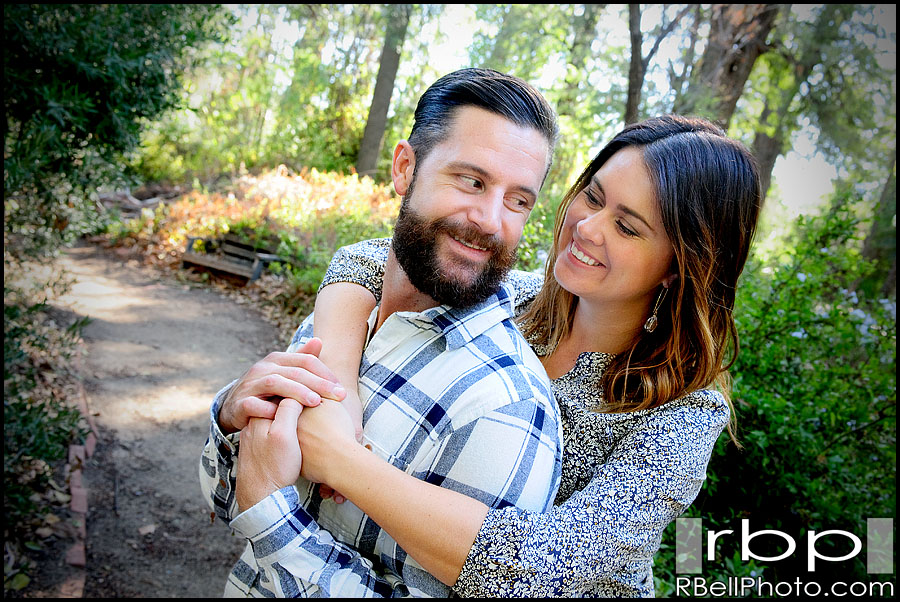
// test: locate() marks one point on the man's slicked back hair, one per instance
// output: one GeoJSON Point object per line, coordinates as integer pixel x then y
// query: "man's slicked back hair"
{"type": "Point", "coordinates": [503, 94]}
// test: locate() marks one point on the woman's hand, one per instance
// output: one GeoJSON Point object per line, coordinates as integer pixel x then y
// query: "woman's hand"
{"type": "Point", "coordinates": [321, 430]}
{"type": "Point", "coordinates": [352, 404]}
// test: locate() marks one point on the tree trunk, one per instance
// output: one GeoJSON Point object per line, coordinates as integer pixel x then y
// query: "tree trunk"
{"type": "Point", "coordinates": [737, 37]}
{"type": "Point", "coordinates": [636, 67]}
{"type": "Point", "coordinates": [584, 28]}
{"type": "Point", "coordinates": [397, 23]}
{"type": "Point", "coordinates": [639, 63]}
{"type": "Point", "coordinates": [766, 149]}
{"type": "Point", "coordinates": [678, 80]}
{"type": "Point", "coordinates": [880, 245]}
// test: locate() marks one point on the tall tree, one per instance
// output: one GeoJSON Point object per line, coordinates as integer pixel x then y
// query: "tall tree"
{"type": "Point", "coordinates": [820, 72]}
{"type": "Point", "coordinates": [583, 30]}
{"type": "Point", "coordinates": [737, 37]}
{"type": "Point", "coordinates": [637, 69]}
{"type": "Point", "coordinates": [880, 245]}
{"type": "Point", "coordinates": [396, 23]}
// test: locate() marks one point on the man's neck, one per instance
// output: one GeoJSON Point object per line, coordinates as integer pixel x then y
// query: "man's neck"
{"type": "Point", "coordinates": [398, 293]}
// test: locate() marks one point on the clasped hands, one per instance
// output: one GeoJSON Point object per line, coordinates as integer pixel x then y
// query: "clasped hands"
{"type": "Point", "coordinates": [282, 400]}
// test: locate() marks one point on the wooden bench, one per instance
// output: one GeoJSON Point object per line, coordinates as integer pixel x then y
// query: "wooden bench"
{"type": "Point", "coordinates": [229, 255]}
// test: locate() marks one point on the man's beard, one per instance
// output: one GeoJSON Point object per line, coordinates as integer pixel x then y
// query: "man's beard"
{"type": "Point", "coordinates": [415, 246]}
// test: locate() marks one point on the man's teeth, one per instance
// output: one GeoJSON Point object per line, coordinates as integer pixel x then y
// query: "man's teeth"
{"type": "Point", "coordinates": [582, 257]}
{"type": "Point", "coordinates": [470, 245]}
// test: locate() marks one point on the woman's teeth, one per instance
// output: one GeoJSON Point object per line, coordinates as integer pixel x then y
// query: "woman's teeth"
{"type": "Point", "coordinates": [582, 257]}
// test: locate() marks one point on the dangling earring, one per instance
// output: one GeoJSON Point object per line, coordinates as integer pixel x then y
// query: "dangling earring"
{"type": "Point", "coordinates": [652, 321]}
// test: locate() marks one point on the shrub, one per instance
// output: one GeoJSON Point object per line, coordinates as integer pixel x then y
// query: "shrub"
{"type": "Point", "coordinates": [40, 417]}
{"type": "Point", "coordinates": [815, 390]}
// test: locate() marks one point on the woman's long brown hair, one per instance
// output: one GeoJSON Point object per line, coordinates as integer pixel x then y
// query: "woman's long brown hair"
{"type": "Point", "coordinates": [708, 191]}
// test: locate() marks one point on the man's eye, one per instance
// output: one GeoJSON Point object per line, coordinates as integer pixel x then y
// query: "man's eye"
{"type": "Point", "coordinates": [473, 182]}
{"type": "Point", "coordinates": [520, 203]}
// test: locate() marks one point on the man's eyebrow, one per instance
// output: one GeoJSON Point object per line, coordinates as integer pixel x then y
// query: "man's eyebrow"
{"type": "Point", "coordinates": [466, 166]}
{"type": "Point", "coordinates": [623, 208]}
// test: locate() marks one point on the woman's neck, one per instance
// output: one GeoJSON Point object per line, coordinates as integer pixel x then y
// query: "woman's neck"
{"type": "Point", "coordinates": [594, 329]}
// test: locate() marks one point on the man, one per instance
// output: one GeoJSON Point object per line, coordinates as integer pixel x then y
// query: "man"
{"type": "Point", "coordinates": [452, 392]}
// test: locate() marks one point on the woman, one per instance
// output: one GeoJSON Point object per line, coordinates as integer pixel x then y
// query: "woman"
{"type": "Point", "coordinates": [634, 325]}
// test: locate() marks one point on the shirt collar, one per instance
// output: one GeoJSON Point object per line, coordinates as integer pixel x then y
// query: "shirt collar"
{"type": "Point", "coordinates": [460, 325]}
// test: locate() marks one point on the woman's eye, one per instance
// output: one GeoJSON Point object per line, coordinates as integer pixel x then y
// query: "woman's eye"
{"type": "Point", "coordinates": [625, 229]}
{"type": "Point", "coordinates": [592, 199]}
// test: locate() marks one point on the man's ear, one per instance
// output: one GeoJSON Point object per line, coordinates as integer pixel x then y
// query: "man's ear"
{"type": "Point", "coordinates": [402, 166]}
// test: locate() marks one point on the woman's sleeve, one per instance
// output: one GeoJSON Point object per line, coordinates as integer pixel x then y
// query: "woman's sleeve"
{"type": "Point", "coordinates": [608, 532]}
{"type": "Point", "coordinates": [527, 285]}
{"type": "Point", "coordinates": [361, 263]}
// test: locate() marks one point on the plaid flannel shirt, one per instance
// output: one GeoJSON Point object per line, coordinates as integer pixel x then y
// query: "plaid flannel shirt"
{"type": "Point", "coordinates": [454, 397]}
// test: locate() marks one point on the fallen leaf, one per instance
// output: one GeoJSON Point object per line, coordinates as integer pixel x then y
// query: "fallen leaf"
{"type": "Point", "coordinates": [44, 532]}
{"type": "Point", "coordinates": [58, 496]}
{"type": "Point", "coordinates": [20, 581]}
{"type": "Point", "coordinates": [147, 529]}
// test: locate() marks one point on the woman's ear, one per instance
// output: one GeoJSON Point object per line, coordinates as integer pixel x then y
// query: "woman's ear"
{"type": "Point", "coordinates": [667, 282]}
{"type": "Point", "coordinates": [403, 166]}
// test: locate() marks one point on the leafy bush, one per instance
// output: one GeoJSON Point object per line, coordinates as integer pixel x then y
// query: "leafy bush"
{"type": "Point", "coordinates": [40, 417]}
{"type": "Point", "coordinates": [815, 390]}
{"type": "Point", "coordinates": [78, 81]}
{"type": "Point", "coordinates": [303, 218]}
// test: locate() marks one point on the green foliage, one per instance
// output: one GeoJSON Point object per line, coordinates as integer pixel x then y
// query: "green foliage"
{"type": "Point", "coordinates": [266, 100]}
{"type": "Point", "coordinates": [815, 390]}
{"type": "Point", "coordinates": [79, 79]}
{"type": "Point", "coordinates": [301, 218]}
{"type": "Point", "coordinates": [536, 237]}
{"type": "Point", "coordinates": [39, 417]}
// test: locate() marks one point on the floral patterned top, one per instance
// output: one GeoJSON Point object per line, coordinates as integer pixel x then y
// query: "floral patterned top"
{"type": "Point", "coordinates": [625, 477]}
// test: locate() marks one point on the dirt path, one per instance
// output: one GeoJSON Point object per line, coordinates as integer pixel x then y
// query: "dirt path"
{"type": "Point", "coordinates": [157, 353]}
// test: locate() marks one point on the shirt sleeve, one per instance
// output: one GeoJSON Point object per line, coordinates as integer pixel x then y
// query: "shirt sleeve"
{"type": "Point", "coordinates": [361, 263]}
{"type": "Point", "coordinates": [294, 557]}
{"type": "Point", "coordinates": [613, 526]}
{"type": "Point", "coordinates": [217, 464]}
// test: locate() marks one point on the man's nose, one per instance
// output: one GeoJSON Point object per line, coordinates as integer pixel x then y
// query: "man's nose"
{"type": "Point", "coordinates": [487, 213]}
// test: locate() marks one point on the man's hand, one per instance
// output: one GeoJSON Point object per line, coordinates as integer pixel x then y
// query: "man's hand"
{"type": "Point", "coordinates": [300, 376]}
{"type": "Point", "coordinates": [321, 430]}
{"type": "Point", "coordinates": [270, 455]}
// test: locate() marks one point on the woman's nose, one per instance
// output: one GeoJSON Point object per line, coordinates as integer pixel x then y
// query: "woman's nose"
{"type": "Point", "coordinates": [590, 228]}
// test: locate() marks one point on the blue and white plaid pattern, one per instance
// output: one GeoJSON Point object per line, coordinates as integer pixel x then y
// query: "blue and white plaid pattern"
{"type": "Point", "coordinates": [454, 397]}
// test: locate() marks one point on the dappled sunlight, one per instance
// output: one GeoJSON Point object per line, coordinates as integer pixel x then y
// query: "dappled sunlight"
{"type": "Point", "coordinates": [159, 407]}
